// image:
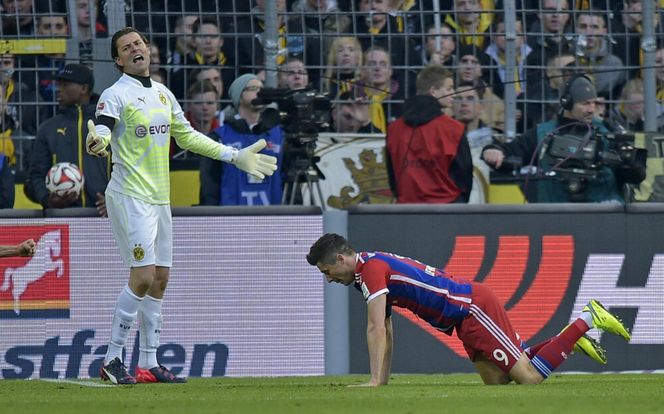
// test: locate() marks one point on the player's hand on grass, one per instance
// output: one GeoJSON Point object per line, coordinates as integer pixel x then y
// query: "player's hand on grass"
{"type": "Point", "coordinates": [96, 144]}
{"type": "Point", "coordinates": [258, 165]}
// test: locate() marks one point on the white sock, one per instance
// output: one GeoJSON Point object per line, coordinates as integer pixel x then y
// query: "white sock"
{"type": "Point", "coordinates": [150, 320]}
{"type": "Point", "coordinates": [126, 310]}
{"type": "Point", "coordinates": [587, 318]}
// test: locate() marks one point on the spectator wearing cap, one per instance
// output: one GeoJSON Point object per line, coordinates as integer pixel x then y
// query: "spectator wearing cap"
{"type": "Point", "coordinates": [575, 118]}
{"type": "Point", "coordinates": [224, 184]}
{"type": "Point", "coordinates": [62, 139]}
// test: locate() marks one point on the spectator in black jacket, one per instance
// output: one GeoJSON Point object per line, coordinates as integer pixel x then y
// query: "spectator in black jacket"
{"type": "Point", "coordinates": [62, 139]}
{"type": "Point", "coordinates": [293, 40]}
{"type": "Point", "coordinates": [6, 183]}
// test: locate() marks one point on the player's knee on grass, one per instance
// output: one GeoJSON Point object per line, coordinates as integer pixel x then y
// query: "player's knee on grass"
{"type": "Point", "coordinates": [523, 372]}
{"type": "Point", "coordinates": [490, 373]}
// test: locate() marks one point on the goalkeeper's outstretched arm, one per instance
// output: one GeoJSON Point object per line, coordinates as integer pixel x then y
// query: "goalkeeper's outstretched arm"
{"type": "Point", "coordinates": [247, 159]}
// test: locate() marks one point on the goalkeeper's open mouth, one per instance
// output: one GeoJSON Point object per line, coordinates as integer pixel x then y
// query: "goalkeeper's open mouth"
{"type": "Point", "coordinates": [138, 58]}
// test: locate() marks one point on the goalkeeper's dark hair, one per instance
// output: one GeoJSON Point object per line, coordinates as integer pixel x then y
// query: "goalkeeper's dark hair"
{"type": "Point", "coordinates": [114, 43]}
{"type": "Point", "coordinates": [327, 247]}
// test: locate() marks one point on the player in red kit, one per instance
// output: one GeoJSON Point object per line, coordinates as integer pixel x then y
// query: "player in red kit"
{"type": "Point", "coordinates": [449, 303]}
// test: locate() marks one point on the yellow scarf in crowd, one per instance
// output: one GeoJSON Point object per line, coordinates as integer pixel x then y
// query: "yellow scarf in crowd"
{"type": "Point", "coordinates": [376, 98]}
{"type": "Point", "coordinates": [6, 143]}
{"type": "Point", "coordinates": [517, 78]}
{"type": "Point", "coordinates": [7, 146]}
{"type": "Point", "coordinates": [476, 39]}
{"type": "Point", "coordinates": [660, 94]}
{"type": "Point", "coordinates": [221, 59]}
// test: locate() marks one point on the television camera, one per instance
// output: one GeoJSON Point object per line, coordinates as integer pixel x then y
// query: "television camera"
{"type": "Point", "coordinates": [578, 159]}
{"type": "Point", "coordinates": [302, 113]}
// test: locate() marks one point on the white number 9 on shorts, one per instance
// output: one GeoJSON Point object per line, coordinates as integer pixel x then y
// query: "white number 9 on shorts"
{"type": "Point", "coordinates": [500, 356]}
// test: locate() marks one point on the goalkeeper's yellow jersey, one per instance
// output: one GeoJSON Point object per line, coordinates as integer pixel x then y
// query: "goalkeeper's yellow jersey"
{"type": "Point", "coordinates": [146, 118]}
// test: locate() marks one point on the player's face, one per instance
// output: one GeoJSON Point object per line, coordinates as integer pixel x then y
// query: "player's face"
{"type": "Point", "coordinates": [133, 55]}
{"type": "Point", "coordinates": [342, 271]}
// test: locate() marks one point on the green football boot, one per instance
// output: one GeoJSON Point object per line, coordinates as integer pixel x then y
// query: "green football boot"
{"type": "Point", "coordinates": [605, 321]}
{"type": "Point", "coordinates": [592, 348]}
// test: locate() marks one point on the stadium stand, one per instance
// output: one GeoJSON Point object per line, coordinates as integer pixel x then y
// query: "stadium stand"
{"type": "Point", "coordinates": [309, 29]}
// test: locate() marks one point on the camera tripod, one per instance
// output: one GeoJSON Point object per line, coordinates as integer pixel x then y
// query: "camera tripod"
{"type": "Point", "coordinates": [299, 175]}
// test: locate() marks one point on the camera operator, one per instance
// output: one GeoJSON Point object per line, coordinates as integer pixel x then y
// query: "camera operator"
{"type": "Point", "coordinates": [597, 180]}
{"type": "Point", "coordinates": [226, 185]}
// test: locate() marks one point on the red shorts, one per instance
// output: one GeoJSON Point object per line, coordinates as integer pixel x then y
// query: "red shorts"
{"type": "Point", "coordinates": [487, 330]}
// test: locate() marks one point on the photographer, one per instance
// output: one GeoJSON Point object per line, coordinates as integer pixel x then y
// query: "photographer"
{"type": "Point", "coordinates": [224, 184]}
{"type": "Point", "coordinates": [571, 178]}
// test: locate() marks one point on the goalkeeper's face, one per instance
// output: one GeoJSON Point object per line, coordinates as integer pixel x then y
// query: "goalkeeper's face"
{"type": "Point", "coordinates": [341, 271]}
{"type": "Point", "coordinates": [133, 55]}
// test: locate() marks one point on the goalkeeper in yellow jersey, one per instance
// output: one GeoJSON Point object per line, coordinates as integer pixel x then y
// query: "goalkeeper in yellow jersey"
{"type": "Point", "coordinates": [136, 116]}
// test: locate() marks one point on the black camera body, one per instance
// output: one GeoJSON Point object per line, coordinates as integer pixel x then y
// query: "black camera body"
{"type": "Point", "coordinates": [577, 159]}
{"type": "Point", "coordinates": [302, 113]}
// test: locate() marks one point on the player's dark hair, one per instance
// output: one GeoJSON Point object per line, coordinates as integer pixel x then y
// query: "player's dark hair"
{"type": "Point", "coordinates": [114, 43]}
{"type": "Point", "coordinates": [326, 247]}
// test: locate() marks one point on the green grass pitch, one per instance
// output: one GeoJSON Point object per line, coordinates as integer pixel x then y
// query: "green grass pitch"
{"type": "Point", "coordinates": [459, 393]}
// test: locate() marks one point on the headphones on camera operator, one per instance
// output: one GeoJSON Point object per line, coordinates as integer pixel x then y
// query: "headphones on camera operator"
{"type": "Point", "coordinates": [566, 99]}
{"type": "Point", "coordinates": [573, 157]}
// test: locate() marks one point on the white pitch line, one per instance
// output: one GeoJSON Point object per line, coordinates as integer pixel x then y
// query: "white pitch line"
{"type": "Point", "coordinates": [82, 383]}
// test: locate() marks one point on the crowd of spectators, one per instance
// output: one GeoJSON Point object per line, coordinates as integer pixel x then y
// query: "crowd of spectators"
{"type": "Point", "coordinates": [362, 53]}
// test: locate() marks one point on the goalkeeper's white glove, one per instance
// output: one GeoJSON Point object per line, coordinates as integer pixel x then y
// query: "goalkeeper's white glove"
{"type": "Point", "coordinates": [96, 144]}
{"type": "Point", "coordinates": [258, 165]}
